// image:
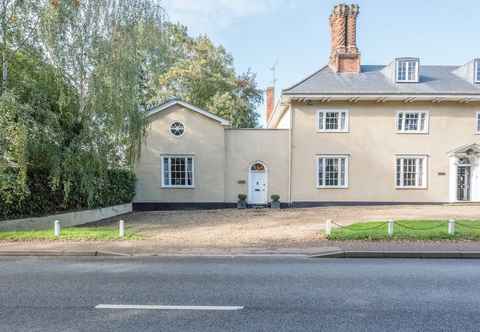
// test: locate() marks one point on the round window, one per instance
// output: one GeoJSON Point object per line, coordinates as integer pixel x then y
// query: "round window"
{"type": "Point", "coordinates": [177, 129]}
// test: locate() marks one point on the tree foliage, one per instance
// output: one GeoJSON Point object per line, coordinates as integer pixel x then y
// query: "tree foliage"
{"type": "Point", "coordinates": [203, 74]}
{"type": "Point", "coordinates": [77, 77]}
{"type": "Point", "coordinates": [18, 23]}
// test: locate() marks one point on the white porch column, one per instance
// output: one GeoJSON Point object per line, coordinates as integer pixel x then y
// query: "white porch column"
{"type": "Point", "coordinates": [475, 184]}
{"type": "Point", "coordinates": [452, 179]}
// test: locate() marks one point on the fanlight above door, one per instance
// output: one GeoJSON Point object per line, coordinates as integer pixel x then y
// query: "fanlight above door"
{"type": "Point", "coordinates": [258, 167]}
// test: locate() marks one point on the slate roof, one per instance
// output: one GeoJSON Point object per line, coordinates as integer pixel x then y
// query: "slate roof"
{"type": "Point", "coordinates": [376, 79]}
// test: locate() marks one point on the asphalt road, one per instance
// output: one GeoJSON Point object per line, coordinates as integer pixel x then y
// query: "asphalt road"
{"type": "Point", "coordinates": [277, 294]}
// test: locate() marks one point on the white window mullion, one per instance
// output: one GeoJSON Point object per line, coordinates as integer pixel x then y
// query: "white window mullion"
{"type": "Point", "coordinates": [412, 172]}
{"type": "Point", "coordinates": [175, 178]}
{"type": "Point", "coordinates": [337, 166]}
{"type": "Point", "coordinates": [478, 122]}
{"type": "Point", "coordinates": [324, 173]}
{"type": "Point", "coordinates": [417, 172]}
{"type": "Point", "coordinates": [402, 176]}
{"type": "Point", "coordinates": [413, 122]}
{"type": "Point", "coordinates": [332, 120]}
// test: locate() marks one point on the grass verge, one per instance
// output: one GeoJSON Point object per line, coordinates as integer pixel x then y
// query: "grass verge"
{"type": "Point", "coordinates": [71, 233]}
{"type": "Point", "coordinates": [408, 230]}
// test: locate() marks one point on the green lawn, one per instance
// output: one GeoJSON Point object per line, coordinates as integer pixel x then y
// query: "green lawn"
{"type": "Point", "coordinates": [72, 233]}
{"type": "Point", "coordinates": [408, 230]}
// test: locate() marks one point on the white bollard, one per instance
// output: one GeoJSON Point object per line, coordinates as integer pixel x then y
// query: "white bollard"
{"type": "Point", "coordinates": [390, 225]}
{"type": "Point", "coordinates": [121, 229]}
{"type": "Point", "coordinates": [328, 227]}
{"type": "Point", "coordinates": [451, 227]}
{"type": "Point", "coordinates": [56, 228]}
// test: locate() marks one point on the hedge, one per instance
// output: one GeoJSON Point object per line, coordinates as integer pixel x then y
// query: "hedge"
{"type": "Point", "coordinates": [116, 187]}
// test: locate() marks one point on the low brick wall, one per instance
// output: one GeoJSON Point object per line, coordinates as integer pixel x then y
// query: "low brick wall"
{"type": "Point", "coordinates": [66, 219]}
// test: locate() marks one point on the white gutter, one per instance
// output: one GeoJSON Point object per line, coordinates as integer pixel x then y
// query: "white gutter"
{"type": "Point", "coordinates": [465, 98]}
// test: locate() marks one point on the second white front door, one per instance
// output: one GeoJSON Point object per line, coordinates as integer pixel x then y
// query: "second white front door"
{"type": "Point", "coordinates": [258, 190]}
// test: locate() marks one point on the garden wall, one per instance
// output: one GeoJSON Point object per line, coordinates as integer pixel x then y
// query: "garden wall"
{"type": "Point", "coordinates": [67, 219]}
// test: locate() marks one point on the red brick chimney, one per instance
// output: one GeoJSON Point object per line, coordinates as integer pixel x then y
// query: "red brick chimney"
{"type": "Point", "coordinates": [345, 56]}
{"type": "Point", "coordinates": [270, 101]}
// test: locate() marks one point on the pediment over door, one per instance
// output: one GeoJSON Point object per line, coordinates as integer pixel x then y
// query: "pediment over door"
{"type": "Point", "coordinates": [466, 151]}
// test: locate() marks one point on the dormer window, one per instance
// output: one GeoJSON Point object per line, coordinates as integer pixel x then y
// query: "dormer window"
{"type": "Point", "coordinates": [407, 70]}
{"type": "Point", "coordinates": [477, 71]}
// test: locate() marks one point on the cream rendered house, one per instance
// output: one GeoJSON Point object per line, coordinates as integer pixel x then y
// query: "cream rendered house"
{"type": "Point", "coordinates": [348, 134]}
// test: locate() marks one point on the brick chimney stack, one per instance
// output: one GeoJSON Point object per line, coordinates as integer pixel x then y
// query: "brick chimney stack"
{"type": "Point", "coordinates": [270, 101]}
{"type": "Point", "coordinates": [345, 56]}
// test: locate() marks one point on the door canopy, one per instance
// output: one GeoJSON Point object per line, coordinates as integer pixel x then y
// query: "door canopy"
{"type": "Point", "coordinates": [466, 152]}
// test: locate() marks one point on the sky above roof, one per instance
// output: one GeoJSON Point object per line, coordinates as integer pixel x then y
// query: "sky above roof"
{"type": "Point", "coordinates": [295, 34]}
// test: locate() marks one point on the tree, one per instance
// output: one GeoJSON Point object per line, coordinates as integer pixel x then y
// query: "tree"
{"type": "Point", "coordinates": [18, 22]}
{"type": "Point", "coordinates": [101, 48]}
{"type": "Point", "coordinates": [31, 115]}
{"type": "Point", "coordinates": [203, 74]}
{"type": "Point", "coordinates": [77, 77]}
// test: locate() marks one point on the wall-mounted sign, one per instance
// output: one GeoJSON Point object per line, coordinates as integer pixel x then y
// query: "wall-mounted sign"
{"type": "Point", "coordinates": [242, 182]}
{"type": "Point", "coordinates": [442, 173]}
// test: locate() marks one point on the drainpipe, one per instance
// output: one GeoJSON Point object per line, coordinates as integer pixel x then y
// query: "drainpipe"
{"type": "Point", "coordinates": [290, 156]}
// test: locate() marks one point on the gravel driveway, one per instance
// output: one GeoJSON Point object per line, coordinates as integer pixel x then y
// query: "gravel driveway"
{"type": "Point", "coordinates": [271, 228]}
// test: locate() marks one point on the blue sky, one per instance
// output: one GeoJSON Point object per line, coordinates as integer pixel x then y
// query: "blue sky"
{"type": "Point", "coordinates": [296, 32]}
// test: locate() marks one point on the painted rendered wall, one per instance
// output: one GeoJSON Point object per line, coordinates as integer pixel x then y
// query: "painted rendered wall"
{"type": "Point", "coordinates": [204, 138]}
{"type": "Point", "coordinates": [246, 146]}
{"type": "Point", "coordinates": [372, 143]}
{"type": "Point", "coordinates": [284, 122]}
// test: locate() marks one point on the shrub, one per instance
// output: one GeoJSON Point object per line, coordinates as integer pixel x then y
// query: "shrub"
{"type": "Point", "coordinates": [275, 198]}
{"type": "Point", "coordinates": [116, 187]}
{"type": "Point", "coordinates": [242, 197]}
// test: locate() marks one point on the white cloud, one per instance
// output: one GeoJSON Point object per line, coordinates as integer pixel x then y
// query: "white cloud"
{"type": "Point", "coordinates": [206, 16]}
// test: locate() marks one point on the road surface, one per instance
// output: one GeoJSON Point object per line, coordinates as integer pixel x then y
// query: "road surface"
{"type": "Point", "coordinates": [238, 294]}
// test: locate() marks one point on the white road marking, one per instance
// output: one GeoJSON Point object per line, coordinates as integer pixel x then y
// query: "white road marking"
{"type": "Point", "coordinates": [168, 307]}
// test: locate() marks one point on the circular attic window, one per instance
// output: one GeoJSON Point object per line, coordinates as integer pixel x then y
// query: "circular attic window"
{"type": "Point", "coordinates": [177, 129]}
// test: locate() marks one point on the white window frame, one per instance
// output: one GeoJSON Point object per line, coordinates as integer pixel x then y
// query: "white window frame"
{"type": "Point", "coordinates": [477, 123]}
{"type": "Point", "coordinates": [476, 73]}
{"type": "Point", "coordinates": [331, 156]}
{"type": "Point", "coordinates": [424, 184]}
{"type": "Point", "coordinates": [403, 130]}
{"type": "Point", "coordinates": [170, 186]}
{"type": "Point", "coordinates": [322, 114]}
{"type": "Point", "coordinates": [408, 63]}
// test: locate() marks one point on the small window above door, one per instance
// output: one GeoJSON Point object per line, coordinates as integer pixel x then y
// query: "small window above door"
{"type": "Point", "coordinates": [258, 167]}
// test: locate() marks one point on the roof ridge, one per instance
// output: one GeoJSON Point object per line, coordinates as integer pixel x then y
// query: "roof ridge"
{"type": "Point", "coordinates": [177, 101]}
{"type": "Point", "coordinates": [305, 79]}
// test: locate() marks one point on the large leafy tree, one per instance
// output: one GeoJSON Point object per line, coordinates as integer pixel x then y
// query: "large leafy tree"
{"type": "Point", "coordinates": [102, 47]}
{"type": "Point", "coordinates": [203, 74]}
{"type": "Point", "coordinates": [77, 77]}
{"type": "Point", "coordinates": [18, 24]}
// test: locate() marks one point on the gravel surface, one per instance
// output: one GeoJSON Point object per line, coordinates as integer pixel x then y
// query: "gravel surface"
{"type": "Point", "coordinates": [223, 231]}
{"type": "Point", "coordinates": [271, 228]}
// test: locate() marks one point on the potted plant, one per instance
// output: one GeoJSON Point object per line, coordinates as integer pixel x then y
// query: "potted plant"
{"type": "Point", "coordinates": [242, 201]}
{"type": "Point", "coordinates": [275, 204]}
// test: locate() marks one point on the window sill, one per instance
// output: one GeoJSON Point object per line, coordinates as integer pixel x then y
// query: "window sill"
{"type": "Point", "coordinates": [413, 132]}
{"type": "Point", "coordinates": [331, 187]}
{"type": "Point", "coordinates": [333, 131]}
{"type": "Point", "coordinates": [178, 187]}
{"type": "Point", "coordinates": [411, 188]}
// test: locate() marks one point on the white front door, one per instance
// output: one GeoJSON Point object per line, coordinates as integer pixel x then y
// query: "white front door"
{"type": "Point", "coordinates": [258, 192]}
